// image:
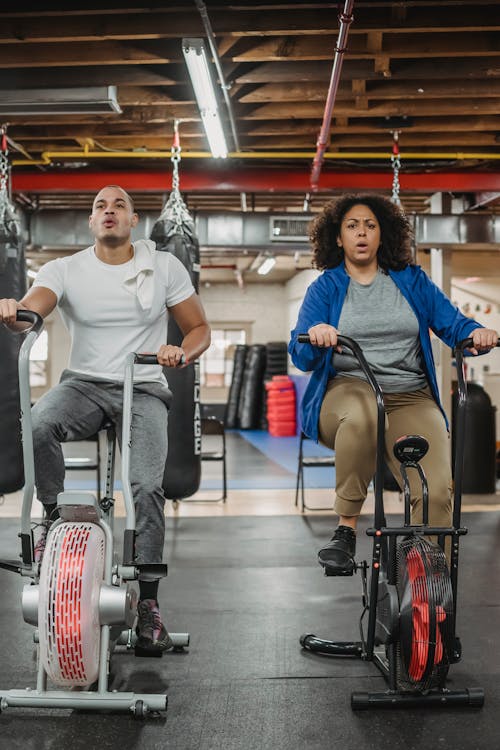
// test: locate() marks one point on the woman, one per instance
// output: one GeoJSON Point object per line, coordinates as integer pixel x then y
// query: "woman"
{"type": "Point", "coordinates": [372, 291]}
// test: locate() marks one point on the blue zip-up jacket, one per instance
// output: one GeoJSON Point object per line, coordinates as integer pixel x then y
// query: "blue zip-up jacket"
{"type": "Point", "coordinates": [323, 304]}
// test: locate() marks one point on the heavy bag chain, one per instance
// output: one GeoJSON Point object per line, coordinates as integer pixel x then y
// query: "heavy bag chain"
{"type": "Point", "coordinates": [10, 225]}
{"type": "Point", "coordinates": [4, 172]}
{"type": "Point", "coordinates": [396, 166]}
{"type": "Point", "coordinates": [175, 201]}
{"type": "Point", "coordinates": [4, 160]}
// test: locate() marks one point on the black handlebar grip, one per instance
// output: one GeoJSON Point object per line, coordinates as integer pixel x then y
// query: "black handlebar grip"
{"type": "Point", "coordinates": [467, 343]}
{"type": "Point", "coordinates": [151, 359]}
{"type": "Point", "coordinates": [28, 316]}
{"type": "Point", "coordinates": [146, 359]}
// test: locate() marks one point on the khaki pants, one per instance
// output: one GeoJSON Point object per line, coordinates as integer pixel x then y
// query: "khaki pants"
{"type": "Point", "coordinates": [347, 424]}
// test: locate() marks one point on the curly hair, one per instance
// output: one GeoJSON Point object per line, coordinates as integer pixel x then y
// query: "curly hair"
{"type": "Point", "coordinates": [395, 250]}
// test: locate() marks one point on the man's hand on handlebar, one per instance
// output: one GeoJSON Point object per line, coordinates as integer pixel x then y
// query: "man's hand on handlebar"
{"type": "Point", "coordinates": [324, 335]}
{"type": "Point", "coordinates": [8, 311]}
{"type": "Point", "coordinates": [171, 356]}
{"type": "Point", "coordinates": [484, 339]}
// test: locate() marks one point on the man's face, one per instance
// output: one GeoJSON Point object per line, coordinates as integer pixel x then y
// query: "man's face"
{"type": "Point", "coordinates": [112, 217]}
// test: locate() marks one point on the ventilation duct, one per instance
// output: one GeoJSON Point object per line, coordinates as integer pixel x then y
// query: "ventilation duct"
{"type": "Point", "coordinates": [74, 101]}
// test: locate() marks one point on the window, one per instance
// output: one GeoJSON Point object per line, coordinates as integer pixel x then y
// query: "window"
{"type": "Point", "coordinates": [38, 361]}
{"type": "Point", "coordinates": [216, 364]}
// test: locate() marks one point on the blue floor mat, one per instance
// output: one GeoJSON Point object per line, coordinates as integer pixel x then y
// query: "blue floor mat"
{"type": "Point", "coordinates": [255, 460]}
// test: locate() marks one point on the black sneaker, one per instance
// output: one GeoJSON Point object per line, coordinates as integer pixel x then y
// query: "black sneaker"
{"type": "Point", "coordinates": [337, 557]}
{"type": "Point", "coordinates": [151, 632]}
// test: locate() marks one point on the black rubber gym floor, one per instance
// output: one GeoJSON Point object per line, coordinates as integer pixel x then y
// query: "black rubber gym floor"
{"type": "Point", "coordinates": [246, 588]}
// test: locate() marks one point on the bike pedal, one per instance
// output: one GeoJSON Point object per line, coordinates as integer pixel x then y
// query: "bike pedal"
{"type": "Point", "coordinates": [335, 573]}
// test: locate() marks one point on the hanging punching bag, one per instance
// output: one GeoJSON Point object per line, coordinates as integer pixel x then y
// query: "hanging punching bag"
{"type": "Point", "coordinates": [173, 233]}
{"type": "Point", "coordinates": [12, 285]}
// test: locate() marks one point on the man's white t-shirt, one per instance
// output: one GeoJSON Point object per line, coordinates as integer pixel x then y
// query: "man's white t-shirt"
{"type": "Point", "coordinates": [112, 310]}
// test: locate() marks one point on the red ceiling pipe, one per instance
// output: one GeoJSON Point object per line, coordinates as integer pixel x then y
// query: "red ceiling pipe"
{"type": "Point", "coordinates": [345, 20]}
{"type": "Point", "coordinates": [251, 181]}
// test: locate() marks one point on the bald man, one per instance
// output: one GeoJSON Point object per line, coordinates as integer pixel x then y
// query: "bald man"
{"type": "Point", "coordinates": [115, 297]}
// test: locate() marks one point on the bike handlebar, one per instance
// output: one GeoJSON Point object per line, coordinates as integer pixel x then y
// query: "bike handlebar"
{"type": "Point", "coordinates": [28, 316]}
{"type": "Point", "coordinates": [151, 359]}
{"type": "Point", "coordinates": [467, 343]}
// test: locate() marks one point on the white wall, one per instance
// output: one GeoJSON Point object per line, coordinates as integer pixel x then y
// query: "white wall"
{"type": "Point", "coordinates": [261, 306]}
{"type": "Point", "coordinates": [295, 291]}
{"type": "Point", "coordinates": [476, 298]}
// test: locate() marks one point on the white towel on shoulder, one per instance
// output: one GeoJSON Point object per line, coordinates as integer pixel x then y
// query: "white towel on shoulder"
{"type": "Point", "coordinates": [139, 281]}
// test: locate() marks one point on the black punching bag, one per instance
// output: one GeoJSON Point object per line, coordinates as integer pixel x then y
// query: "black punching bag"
{"type": "Point", "coordinates": [12, 284]}
{"type": "Point", "coordinates": [174, 233]}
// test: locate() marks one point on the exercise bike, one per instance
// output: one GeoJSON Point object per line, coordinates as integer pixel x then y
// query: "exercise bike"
{"type": "Point", "coordinates": [409, 591]}
{"type": "Point", "coordinates": [79, 598]}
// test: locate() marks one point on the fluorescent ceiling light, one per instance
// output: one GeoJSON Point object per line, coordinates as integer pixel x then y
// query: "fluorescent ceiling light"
{"type": "Point", "coordinates": [268, 263]}
{"type": "Point", "coordinates": [75, 101]}
{"type": "Point", "coordinates": [199, 71]}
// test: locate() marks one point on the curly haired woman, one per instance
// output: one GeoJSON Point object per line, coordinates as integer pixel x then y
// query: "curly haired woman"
{"type": "Point", "coordinates": [372, 291]}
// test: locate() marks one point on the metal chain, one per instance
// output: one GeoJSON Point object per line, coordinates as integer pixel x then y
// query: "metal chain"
{"type": "Point", "coordinates": [175, 202]}
{"type": "Point", "coordinates": [4, 160]}
{"type": "Point", "coordinates": [396, 166]}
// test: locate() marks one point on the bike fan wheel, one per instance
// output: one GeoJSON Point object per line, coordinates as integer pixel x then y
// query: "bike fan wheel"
{"type": "Point", "coordinates": [68, 612]}
{"type": "Point", "coordinates": [425, 641]}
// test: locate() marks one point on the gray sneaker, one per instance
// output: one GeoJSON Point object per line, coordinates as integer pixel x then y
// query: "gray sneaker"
{"type": "Point", "coordinates": [151, 633]}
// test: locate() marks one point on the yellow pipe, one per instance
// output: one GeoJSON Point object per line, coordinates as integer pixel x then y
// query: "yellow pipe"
{"type": "Point", "coordinates": [48, 156]}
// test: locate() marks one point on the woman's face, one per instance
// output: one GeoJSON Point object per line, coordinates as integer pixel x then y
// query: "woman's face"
{"type": "Point", "coordinates": [360, 236]}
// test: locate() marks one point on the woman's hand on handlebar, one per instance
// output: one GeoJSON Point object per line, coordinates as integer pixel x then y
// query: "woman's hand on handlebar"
{"type": "Point", "coordinates": [324, 335]}
{"type": "Point", "coordinates": [484, 339]}
{"type": "Point", "coordinates": [171, 356]}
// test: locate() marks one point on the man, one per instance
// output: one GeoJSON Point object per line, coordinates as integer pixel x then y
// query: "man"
{"type": "Point", "coordinates": [115, 297]}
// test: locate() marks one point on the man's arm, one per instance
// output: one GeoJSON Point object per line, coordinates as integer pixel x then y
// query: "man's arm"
{"type": "Point", "coordinates": [190, 317]}
{"type": "Point", "coordinates": [39, 299]}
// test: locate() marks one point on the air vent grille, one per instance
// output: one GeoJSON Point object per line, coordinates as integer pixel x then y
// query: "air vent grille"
{"type": "Point", "coordinates": [289, 228]}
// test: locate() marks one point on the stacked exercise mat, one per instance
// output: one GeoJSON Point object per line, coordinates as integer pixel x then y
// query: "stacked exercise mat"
{"type": "Point", "coordinates": [253, 366]}
{"type": "Point", "coordinates": [281, 406]}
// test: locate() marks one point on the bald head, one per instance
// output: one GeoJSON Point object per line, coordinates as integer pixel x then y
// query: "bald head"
{"type": "Point", "coordinates": [113, 217]}
{"type": "Point", "coordinates": [118, 189]}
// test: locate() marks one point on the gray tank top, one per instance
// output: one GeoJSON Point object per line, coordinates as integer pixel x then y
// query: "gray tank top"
{"type": "Point", "coordinates": [380, 319]}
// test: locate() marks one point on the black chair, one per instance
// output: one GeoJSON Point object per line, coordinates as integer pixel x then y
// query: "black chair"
{"type": "Point", "coordinates": [306, 461]}
{"type": "Point", "coordinates": [213, 429]}
{"type": "Point", "coordinates": [88, 463]}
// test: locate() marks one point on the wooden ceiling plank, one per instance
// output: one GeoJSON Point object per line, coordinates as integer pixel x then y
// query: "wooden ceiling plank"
{"type": "Point", "coordinates": [118, 75]}
{"type": "Point", "coordinates": [111, 26]}
{"type": "Point", "coordinates": [320, 71]}
{"type": "Point", "coordinates": [248, 21]}
{"type": "Point", "coordinates": [435, 45]}
{"type": "Point", "coordinates": [307, 110]}
{"type": "Point", "coordinates": [280, 92]}
{"type": "Point", "coordinates": [82, 54]}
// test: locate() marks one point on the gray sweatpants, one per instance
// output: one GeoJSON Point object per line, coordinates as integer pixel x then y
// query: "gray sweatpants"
{"type": "Point", "coordinates": [74, 410]}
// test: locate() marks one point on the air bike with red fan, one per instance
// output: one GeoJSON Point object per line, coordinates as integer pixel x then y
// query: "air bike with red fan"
{"type": "Point", "coordinates": [79, 598]}
{"type": "Point", "coordinates": [407, 624]}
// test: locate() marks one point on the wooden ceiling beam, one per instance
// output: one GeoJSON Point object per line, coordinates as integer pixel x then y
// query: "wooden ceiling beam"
{"type": "Point", "coordinates": [434, 45]}
{"type": "Point", "coordinates": [307, 110]}
{"type": "Point", "coordinates": [319, 70]}
{"type": "Point", "coordinates": [118, 75]}
{"type": "Point", "coordinates": [276, 92]}
{"type": "Point", "coordinates": [175, 22]}
{"type": "Point", "coordinates": [83, 54]}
